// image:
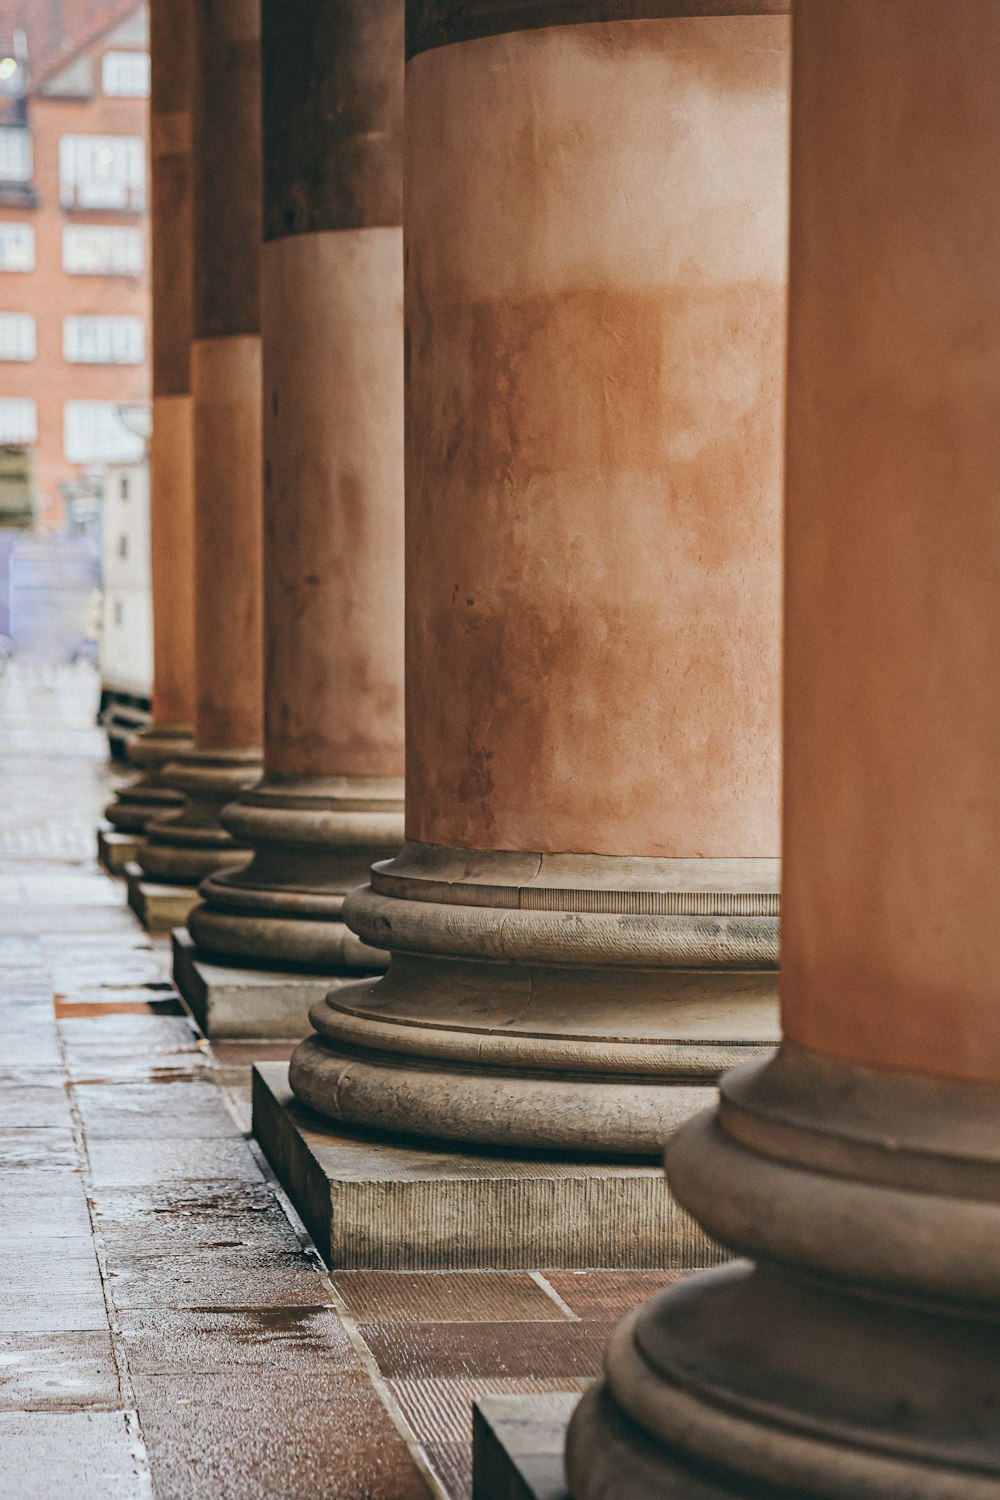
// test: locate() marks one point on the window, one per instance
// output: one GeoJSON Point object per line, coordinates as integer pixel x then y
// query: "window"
{"type": "Point", "coordinates": [103, 341]}
{"type": "Point", "coordinates": [18, 420]}
{"type": "Point", "coordinates": [102, 171]}
{"type": "Point", "coordinates": [102, 250]}
{"type": "Point", "coordinates": [17, 336]}
{"type": "Point", "coordinates": [17, 161]}
{"type": "Point", "coordinates": [126, 74]}
{"type": "Point", "coordinates": [93, 433]}
{"type": "Point", "coordinates": [17, 247]}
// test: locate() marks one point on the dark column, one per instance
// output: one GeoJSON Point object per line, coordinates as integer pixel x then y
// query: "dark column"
{"type": "Point", "coordinates": [332, 283]}
{"type": "Point", "coordinates": [583, 922]}
{"type": "Point", "coordinates": [226, 386]}
{"type": "Point", "coordinates": [171, 464]}
{"type": "Point", "coordinates": [858, 1352]}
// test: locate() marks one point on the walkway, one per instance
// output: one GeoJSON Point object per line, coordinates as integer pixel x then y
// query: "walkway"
{"type": "Point", "coordinates": [166, 1327]}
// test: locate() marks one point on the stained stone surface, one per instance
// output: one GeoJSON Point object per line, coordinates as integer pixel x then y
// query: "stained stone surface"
{"type": "Point", "coordinates": [166, 1328]}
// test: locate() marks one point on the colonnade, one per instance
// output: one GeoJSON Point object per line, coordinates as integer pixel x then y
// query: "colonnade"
{"type": "Point", "coordinates": [569, 930]}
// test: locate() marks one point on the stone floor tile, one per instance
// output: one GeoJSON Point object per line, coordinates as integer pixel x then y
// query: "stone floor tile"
{"type": "Point", "coordinates": [122, 1163]}
{"type": "Point", "coordinates": [609, 1295]}
{"type": "Point", "coordinates": [55, 1371]}
{"type": "Point", "coordinates": [78, 1455]}
{"type": "Point", "coordinates": [178, 1218]}
{"type": "Point", "coordinates": [445, 1297]}
{"type": "Point", "coordinates": [35, 1149]}
{"type": "Point", "coordinates": [452, 1351]}
{"type": "Point", "coordinates": [38, 1208]}
{"type": "Point", "coordinates": [174, 1109]}
{"type": "Point", "coordinates": [31, 1100]}
{"type": "Point", "coordinates": [229, 1436]}
{"type": "Point", "coordinates": [237, 1276]}
{"type": "Point", "coordinates": [309, 1341]}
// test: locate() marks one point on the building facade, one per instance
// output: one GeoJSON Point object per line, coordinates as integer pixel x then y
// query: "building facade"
{"type": "Point", "coordinates": [74, 336]}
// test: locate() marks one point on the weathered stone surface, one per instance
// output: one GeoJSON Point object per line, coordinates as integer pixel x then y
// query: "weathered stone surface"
{"type": "Point", "coordinates": [517, 1446]}
{"type": "Point", "coordinates": [115, 849]}
{"type": "Point", "coordinates": [234, 1003]}
{"type": "Point", "coordinates": [384, 1203]}
{"type": "Point", "coordinates": [159, 906]}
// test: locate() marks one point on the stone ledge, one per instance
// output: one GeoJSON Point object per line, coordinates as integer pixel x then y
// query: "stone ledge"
{"type": "Point", "coordinates": [115, 850]}
{"type": "Point", "coordinates": [231, 1003]}
{"type": "Point", "coordinates": [159, 908]}
{"type": "Point", "coordinates": [377, 1202]}
{"type": "Point", "coordinates": [517, 1446]}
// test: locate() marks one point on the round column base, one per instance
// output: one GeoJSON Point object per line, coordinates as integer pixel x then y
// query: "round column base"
{"type": "Point", "coordinates": [313, 840]}
{"type": "Point", "coordinates": [861, 1355]}
{"type": "Point", "coordinates": [147, 797]}
{"type": "Point", "coordinates": [182, 850]}
{"type": "Point", "coordinates": [552, 1003]}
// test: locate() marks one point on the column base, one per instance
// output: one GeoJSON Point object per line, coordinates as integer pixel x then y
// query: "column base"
{"type": "Point", "coordinates": [116, 850]}
{"type": "Point", "coordinates": [517, 1446]}
{"type": "Point", "coordinates": [182, 850]}
{"type": "Point", "coordinates": [547, 1002]}
{"type": "Point", "coordinates": [861, 1354]}
{"type": "Point", "coordinates": [148, 797]}
{"type": "Point", "coordinates": [373, 1202]}
{"type": "Point", "coordinates": [159, 907]}
{"type": "Point", "coordinates": [314, 839]}
{"type": "Point", "coordinates": [231, 1003]}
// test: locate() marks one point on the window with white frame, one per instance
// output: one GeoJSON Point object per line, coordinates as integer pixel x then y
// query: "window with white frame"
{"type": "Point", "coordinates": [18, 420]}
{"type": "Point", "coordinates": [17, 157]}
{"type": "Point", "coordinates": [17, 247]}
{"type": "Point", "coordinates": [17, 336]}
{"type": "Point", "coordinates": [102, 250]}
{"type": "Point", "coordinates": [102, 171]}
{"type": "Point", "coordinates": [94, 433]}
{"type": "Point", "coordinates": [103, 340]}
{"type": "Point", "coordinates": [125, 74]}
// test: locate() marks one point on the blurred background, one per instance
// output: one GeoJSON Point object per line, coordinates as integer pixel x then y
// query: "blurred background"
{"type": "Point", "coordinates": [74, 360]}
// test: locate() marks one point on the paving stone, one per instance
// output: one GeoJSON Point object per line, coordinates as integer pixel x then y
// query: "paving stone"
{"type": "Point", "coordinates": [609, 1295]}
{"type": "Point", "coordinates": [84, 1454]}
{"type": "Point", "coordinates": [181, 1217]}
{"type": "Point", "coordinates": [306, 1340]}
{"type": "Point", "coordinates": [231, 1437]}
{"type": "Point", "coordinates": [169, 1110]}
{"type": "Point", "coordinates": [120, 1163]}
{"type": "Point", "coordinates": [223, 1276]}
{"type": "Point", "coordinates": [38, 1149]}
{"type": "Point", "coordinates": [54, 1371]}
{"type": "Point", "coordinates": [51, 1206]}
{"type": "Point", "coordinates": [31, 1100]}
{"type": "Point", "coordinates": [467, 1350]}
{"type": "Point", "coordinates": [448, 1297]}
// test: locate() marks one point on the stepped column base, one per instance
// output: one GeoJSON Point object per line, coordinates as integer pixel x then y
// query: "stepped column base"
{"type": "Point", "coordinates": [148, 796]}
{"type": "Point", "coordinates": [860, 1355]}
{"type": "Point", "coordinates": [184, 849]}
{"type": "Point", "coordinates": [554, 1002]}
{"type": "Point", "coordinates": [313, 840]}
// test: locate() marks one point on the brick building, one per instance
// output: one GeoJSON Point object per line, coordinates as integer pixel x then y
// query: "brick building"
{"type": "Point", "coordinates": [74, 336]}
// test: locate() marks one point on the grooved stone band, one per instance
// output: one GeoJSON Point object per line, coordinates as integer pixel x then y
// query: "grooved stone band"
{"type": "Point", "coordinates": [436, 23]}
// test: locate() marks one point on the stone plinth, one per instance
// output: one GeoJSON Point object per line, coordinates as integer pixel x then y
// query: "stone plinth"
{"type": "Point", "coordinates": [378, 1202]}
{"type": "Point", "coordinates": [517, 1446]}
{"type": "Point", "coordinates": [159, 905]}
{"type": "Point", "coordinates": [116, 850]}
{"type": "Point", "coordinates": [230, 1002]}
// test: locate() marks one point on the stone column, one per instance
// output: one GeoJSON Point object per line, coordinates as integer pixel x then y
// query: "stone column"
{"type": "Point", "coordinates": [171, 469]}
{"type": "Point", "coordinates": [226, 389]}
{"type": "Point", "coordinates": [583, 921]}
{"type": "Point", "coordinates": [858, 1353]}
{"type": "Point", "coordinates": [332, 322]}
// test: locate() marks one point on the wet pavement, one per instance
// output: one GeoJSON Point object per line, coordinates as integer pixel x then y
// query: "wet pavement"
{"type": "Point", "coordinates": [166, 1326]}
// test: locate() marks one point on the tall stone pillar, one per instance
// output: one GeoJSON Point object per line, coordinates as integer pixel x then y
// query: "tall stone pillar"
{"type": "Point", "coordinates": [858, 1353]}
{"type": "Point", "coordinates": [226, 389]}
{"type": "Point", "coordinates": [332, 302]}
{"type": "Point", "coordinates": [583, 921]}
{"type": "Point", "coordinates": [171, 467]}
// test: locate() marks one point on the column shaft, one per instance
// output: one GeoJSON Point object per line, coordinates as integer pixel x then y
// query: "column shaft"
{"type": "Point", "coordinates": [171, 458]}
{"type": "Point", "coordinates": [226, 394]}
{"type": "Point", "coordinates": [860, 1353]}
{"type": "Point", "coordinates": [331, 799]}
{"type": "Point", "coordinates": [583, 920]}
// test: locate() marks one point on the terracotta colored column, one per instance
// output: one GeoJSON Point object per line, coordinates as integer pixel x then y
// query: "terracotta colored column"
{"type": "Point", "coordinates": [860, 1355]}
{"type": "Point", "coordinates": [583, 922]}
{"type": "Point", "coordinates": [171, 468]}
{"type": "Point", "coordinates": [332, 302]}
{"type": "Point", "coordinates": [226, 388]}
